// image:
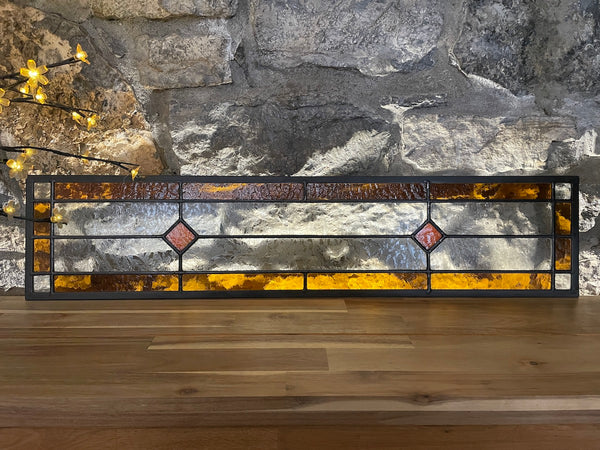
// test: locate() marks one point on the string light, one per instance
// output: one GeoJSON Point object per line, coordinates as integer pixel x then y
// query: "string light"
{"type": "Point", "coordinates": [77, 117]}
{"type": "Point", "coordinates": [92, 121]}
{"type": "Point", "coordinates": [3, 101]}
{"type": "Point", "coordinates": [10, 208]}
{"type": "Point", "coordinates": [134, 172]}
{"type": "Point", "coordinates": [81, 55]}
{"type": "Point", "coordinates": [28, 152]}
{"type": "Point", "coordinates": [34, 74]}
{"type": "Point", "coordinates": [40, 96]}
{"type": "Point", "coordinates": [57, 217]}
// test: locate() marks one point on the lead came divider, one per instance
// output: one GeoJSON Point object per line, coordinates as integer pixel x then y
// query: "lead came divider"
{"type": "Point", "coordinates": [165, 237]}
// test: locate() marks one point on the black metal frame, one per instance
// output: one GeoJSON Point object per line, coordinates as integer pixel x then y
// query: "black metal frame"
{"type": "Point", "coordinates": [574, 272]}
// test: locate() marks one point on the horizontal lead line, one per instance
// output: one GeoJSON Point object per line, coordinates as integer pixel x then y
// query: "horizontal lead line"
{"type": "Point", "coordinates": [301, 236]}
{"type": "Point", "coordinates": [390, 200]}
{"type": "Point", "coordinates": [299, 272]}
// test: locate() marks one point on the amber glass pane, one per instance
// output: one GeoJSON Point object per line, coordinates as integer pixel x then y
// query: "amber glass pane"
{"type": "Point", "coordinates": [41, 255]}
{"type": "Point", "coordinates": [243, 282]}
{"type": "Point", "coordinates": [562, 224]}
{"type": "Point", "coordinates": [350, 281]}
{"type": "Point", "coordinates": [243, 191]}
{"type": "Point", "coordinates": [491, 191]}
{"type": "Point", "coordinates": [116, 191]}
{"type": "Point", "coordinates": [522, 281]}
{"type": "Point", "coordinates": [563, 254]}
{"type": "Point", "coordinates": [115, 283]}
{"type": "Point", "coordinates": [41, 211]}
{"type": "Point", "coordinates": [365, 191]}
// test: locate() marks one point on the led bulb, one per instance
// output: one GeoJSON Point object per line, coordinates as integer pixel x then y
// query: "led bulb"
{"type": "Point", "coordinates": [14, 164]}
{"type": "Point", "coordinates": [134, 172]}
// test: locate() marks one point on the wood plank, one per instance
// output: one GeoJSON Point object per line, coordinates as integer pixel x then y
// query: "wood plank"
{"type": "Point", "coordinates": [281, 341]}
{"type": "Point", "coordinates": [490, 437]}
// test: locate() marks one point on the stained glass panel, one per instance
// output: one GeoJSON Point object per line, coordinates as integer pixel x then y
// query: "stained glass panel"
{"type": "Point", "coordinates": [490, 281]}
{"type": "Point", "coordinates": [243, 282]}
{"type": "Point", "coordinates": [244, 236]}
{"type": "Point", "coordinates": [366, 281]}
{"type": "Point", "coordinates": [304, 218]}
{"type": "Point", "coordinates": [304, 254]}
{"type": "Point", "coordinates": [563, 218]}
{"type": "Point", "coordinates": [563, 254]}
{"type": "Point", "coordinates": [366, 191]}
{"type": "Point", "coordinates": [491, 191]}
{"type": "Point", "coordinates": [493, 254]}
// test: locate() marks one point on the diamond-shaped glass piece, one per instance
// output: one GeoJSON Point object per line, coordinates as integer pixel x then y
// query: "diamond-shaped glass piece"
{"type": "Point", "coordinates": [180, 236]}
{"type": "Point", "coordinates": [428, 235]}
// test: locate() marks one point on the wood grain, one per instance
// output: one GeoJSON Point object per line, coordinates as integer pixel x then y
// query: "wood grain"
{"type": "Point", "coordinates": [300, 373]}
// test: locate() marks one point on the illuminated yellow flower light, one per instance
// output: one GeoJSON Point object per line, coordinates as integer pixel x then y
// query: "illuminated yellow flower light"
{"type": "Point", "coordinates": [24, 90]}
{"type": "Point", "coordinates": [40, 96]}
{"type": "Point", "coordinates": [10, 209]}
{"type": "Point", "coordinates": [28, 153]}
{"type": "Point", "coordinates": [92, 121]}
{"type": "Point", "coordinates": [57, 217]}
{"type": "Point", "coordinates": [81, 55]}
{"type": "Point", "coordinates": [77, 117]}
{"type": "Point", "coordinates": [3, 101]}
{"type": "Point", "coordinates": [34, 74]}
{"type": "Point", "coordinates": [18, 168]}
{"type": "Point", "coordinates": [134, 172]}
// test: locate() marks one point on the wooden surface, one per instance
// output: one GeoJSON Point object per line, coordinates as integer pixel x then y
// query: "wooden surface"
{"type": "Point", "coordinates": [288, 371]}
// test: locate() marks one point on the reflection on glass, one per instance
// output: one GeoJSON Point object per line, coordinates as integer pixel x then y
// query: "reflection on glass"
{"type": "Point", "coordinates": [562, 191]}
{"type": "Point", "coordinates": [115, 283]}
{"type": "Point", "coordinates": [243, 282]}
{"type": "Point", "coordinates": [117, 218]}
{"type": "Point", "coordinates": [41, 211]}
{"type": "Point", "coordinates": [491, 191]}
{"type": "Point", "coordinates": [41, 255]}
{"type": "Point", "coordinates": [41, 191]}
{"type": "Point", "coordinates": [487, 281]}
{"type": "Point", "coordinates": [563, 254]}
{"type": "Point", "coordinates": [113, 255]}
{"type": "Point", "coordinates": [41, 283]}
{"type": "Point", "coordinates": [492, 254]}
{"type": "Point", "coordinates": [563, 218]}
{"type": "Point", "coordinates": [366, 191]}
{"type": "Point", "coordinates": [243, 191]}
{"type": "Point", "coordinates": [116, 191]}
{"type": "Point", "coordinates": [562, 281]}
{"type": "Point", "coordinates": [304, 254]}
{"type": "Point", "coordinates": [304, 218]}
{"type": "Point", "coordinates": [493, 218]}
{"type": "Point", "coordinates": [366, 281]}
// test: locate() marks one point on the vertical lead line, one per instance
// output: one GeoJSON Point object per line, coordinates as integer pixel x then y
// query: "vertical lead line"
{"type": "Point", "coordinates": [51, 238]}
{"type": "Point", "coordinates": [553, 240]}
{"type": "Point", "coordinates": [428, 220]}
{"type": "Point", "coordinates": [180, 203]}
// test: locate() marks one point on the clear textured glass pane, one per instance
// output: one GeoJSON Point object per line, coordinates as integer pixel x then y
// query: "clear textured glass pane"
{"type": "Point", "coordinates": [41, 283]}
{"type": "Point", "coordinates": [562, 281]}
{"type": "Point", "coordinates": [304, 254]}
{"type": "Point", "coordinates": [113, 255]}
{"type": "Point", "coordinates": [304, 218]}
{"type": "Point", "coordinates": [562, 191]}
{"type": "Point", "coordinates": [492, 254]}
{"type": "Point", "coordinates": [493, 218]}
{"type": "Point", "coordinates": [117, 218]}
{"type": "Point", "coordinates": [41, 191]}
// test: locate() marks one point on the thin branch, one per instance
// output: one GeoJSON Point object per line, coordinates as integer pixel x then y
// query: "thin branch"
{"type": "Point", "coordinates": [64, 62]}
{"type": "Point", "coordinates": [121, 164]}
{"type": "Point", "coordinates": [27, 219]}
{"type": "Point", "coordinates": [29, 99]}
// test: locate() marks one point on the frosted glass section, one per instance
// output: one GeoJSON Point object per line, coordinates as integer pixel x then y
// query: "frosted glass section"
{"type": "Point", "coordinates": [117, 218]}
{"type": "Point", "coordinates": [41, 191]}
{"type": "Point", "coordinates": [304, 254]}
{"type": "Point", "coordinates": [113, 255]}
{"type": "Point", "coordinates": [41, 283]}
{"type": "Point", "coordinates": [493, 218]}
{"type": "Point", "coordinates": [562, 191]}
{"type": "Point", "coordinates": [562, 281]}
{"type": "Point", "coordinates": [492, 254]}
{"type": "Point", "coordinates": [304, 218]}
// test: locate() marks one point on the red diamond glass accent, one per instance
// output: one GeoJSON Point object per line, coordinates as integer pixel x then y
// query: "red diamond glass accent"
{"type": "Point", "coordinates": [428, 236]}
{"type": "Point", "coordinates": [180, 236]}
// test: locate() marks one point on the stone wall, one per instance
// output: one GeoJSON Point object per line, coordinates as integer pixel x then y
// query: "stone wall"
{"type": "Point", "coordinates": [309, 87]}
